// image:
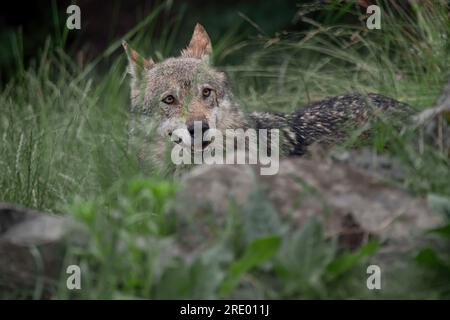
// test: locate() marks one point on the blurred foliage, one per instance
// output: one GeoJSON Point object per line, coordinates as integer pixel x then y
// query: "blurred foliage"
{"type": "Point", "coordinates": [64, 144]}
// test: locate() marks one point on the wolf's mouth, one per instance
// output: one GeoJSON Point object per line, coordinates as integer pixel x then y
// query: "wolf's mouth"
{"type": "Point", "coordinates": [205, 145]}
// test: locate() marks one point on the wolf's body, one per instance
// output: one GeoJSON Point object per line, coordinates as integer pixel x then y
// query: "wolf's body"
{"type": "Point", "coordinates": [179, 92]}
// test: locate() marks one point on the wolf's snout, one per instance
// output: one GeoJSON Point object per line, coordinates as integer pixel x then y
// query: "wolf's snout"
{"type": "Point", "coordinates": [198, 128]}
{"type": "Point", "coordinates": [204, 128]}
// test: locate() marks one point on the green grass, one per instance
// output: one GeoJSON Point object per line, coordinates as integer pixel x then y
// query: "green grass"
{"type": "Point", "coordinates": [64, 150]}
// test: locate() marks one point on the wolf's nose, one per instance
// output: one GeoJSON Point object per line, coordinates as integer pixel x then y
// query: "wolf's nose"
{"type": "Point", "coordinates": [191, 127]}
{"type": "Point", "coordinates": [175, 138]}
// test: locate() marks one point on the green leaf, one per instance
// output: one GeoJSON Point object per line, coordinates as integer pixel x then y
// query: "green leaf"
{"type": "Point", "coordinates": [347, 260]}
{"type": "Point", "coordinates": [304, 257]}
{"type": "Point", "coordinates": [260, 219]}
{"type": "Point", "coordinates": [257, 252]}
{"type": "Point", "coordinates": [428, 258]}
{"type": "Point", "coordinates": [442, 231]}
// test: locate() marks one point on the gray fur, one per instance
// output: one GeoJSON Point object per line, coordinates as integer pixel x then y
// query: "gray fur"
{"type": "Point", "coordinates": [185, 77]}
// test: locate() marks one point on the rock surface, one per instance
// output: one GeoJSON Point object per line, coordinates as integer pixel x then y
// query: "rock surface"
{"type": "Point", "coordinates": [352, 203]}
{"type": "Point", "coordinates": [32, 247]}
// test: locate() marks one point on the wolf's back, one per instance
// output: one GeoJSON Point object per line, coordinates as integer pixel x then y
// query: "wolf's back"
{"type": "Point", "coordinates": [326, 120]}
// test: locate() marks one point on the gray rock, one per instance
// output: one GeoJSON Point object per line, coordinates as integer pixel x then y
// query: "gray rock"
{"type": "Point", "coordinates": [32, 247]}
{"type": "Point", "coordinates": [352, 203]}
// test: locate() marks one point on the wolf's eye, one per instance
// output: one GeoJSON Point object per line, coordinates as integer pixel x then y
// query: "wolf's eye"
{"type": "Point", "coordinates": [169, 99]}
{"type": "Point", "coordinates": [206, 92]}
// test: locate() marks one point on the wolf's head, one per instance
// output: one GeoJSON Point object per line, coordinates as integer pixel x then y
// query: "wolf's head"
{"type": "Point", "coordinates": [180, 91]}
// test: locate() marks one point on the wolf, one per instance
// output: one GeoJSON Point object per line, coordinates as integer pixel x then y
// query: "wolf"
{"type": "Point", "coordinates": [184, 91]}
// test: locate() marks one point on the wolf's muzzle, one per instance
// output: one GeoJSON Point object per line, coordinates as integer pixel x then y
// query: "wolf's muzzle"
{"type": "Point", "coordinates": [204, 127]}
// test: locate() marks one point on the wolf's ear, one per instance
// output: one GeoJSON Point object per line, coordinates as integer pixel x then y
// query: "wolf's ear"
{"type": "Point", "coordinates": [136, 63]}
{"type": "Point", "coordinates": [200, 45]}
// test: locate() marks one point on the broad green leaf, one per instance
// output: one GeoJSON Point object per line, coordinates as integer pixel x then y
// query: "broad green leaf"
{"type": "Point", "coordinates": [257, 252]}
{"type": "Point", "coordinates": [442, 231]}
{"type": "Point", "coordinates": [430, 259]}
{"type": "Point", "coordinates": [347, 260]}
